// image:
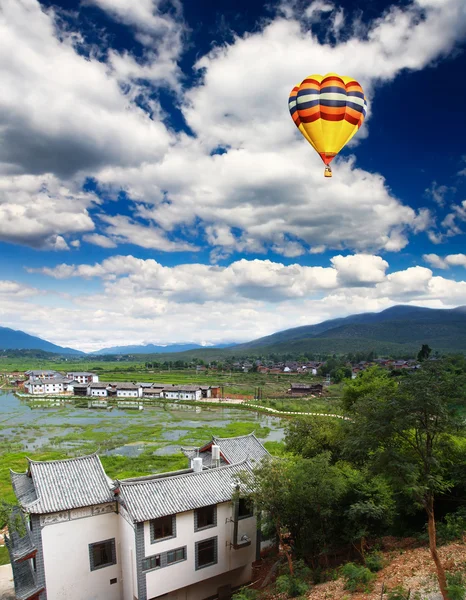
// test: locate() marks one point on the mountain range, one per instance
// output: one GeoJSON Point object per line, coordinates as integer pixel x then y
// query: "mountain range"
{"type": "Point", "coordinates": [394, 331]}
{"type": "Point", "coordinates": [11, 339]}
{"type": "Point", "coordinates": [153, 349]}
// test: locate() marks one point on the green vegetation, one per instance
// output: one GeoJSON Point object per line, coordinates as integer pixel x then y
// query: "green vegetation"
{"type": "Point", "coordinates": [358, 578]}
{"type": "Point", "coordinates": [345, 484]}
{"type": "Point", "coordinates": [4, 556]}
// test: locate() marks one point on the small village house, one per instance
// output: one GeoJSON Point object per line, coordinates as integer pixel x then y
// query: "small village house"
{"type": "Point", "coordinates": [305, 389]}
{"type": "Point", "coordinates": [83, 377]}
{"type": "Point", "coordinates": [185, 534]}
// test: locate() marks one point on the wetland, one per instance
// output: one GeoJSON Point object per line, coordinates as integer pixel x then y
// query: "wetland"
{"type": "Point", "coordinates": [129, 442]}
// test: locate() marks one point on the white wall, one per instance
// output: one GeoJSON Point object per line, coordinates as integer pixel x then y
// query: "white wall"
{"type": "Point", "coordinates": [182, 574]}
{"type": "Point", "coordinates": [98, 392]}
{"type": "Point", "coordinates": [128, 559]}
{"type": "Point", "coordinates": [68, 575]}
{"type": "Point", "coordinates": [127, 393]}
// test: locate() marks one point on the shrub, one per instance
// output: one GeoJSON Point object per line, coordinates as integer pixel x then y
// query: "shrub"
{"type": "Point", "coordinates": [358, 578]}
{"type": "Point", "coordinates": [245, 594]}
{"type": "Point", "coordinates": [374, 561]}
{"type": "Point", "coordinates": [292, 586]}
{"type": "Point", "coordinates": [456, 586]}
{"type": "Point", "coordinates": [398, 593]}
{"type": "Point", "coordinates": [452, 527]}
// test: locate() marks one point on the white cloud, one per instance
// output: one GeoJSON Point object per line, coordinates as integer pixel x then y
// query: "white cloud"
{"type": "Point", "coordinates": [13, 289]}
{"type": "Point", "coordinates": [65, 113]}
{"type": "Point", "coordinates": [99, 240]}
{"type": "Point", "coordinates": [268, 184]}
{"type": "Point", "coordinates": [360, 269]}
{"type": "Point", "coordinates": [451, 260]}
{"type": "Point", "coordinates": [122, 229]}
{"type": "Point", "coordinates": [39, 210]}
{"type": "Point", "coordinates": [142, 300]}
{"type": "Point", "coordinates": [60, 111]}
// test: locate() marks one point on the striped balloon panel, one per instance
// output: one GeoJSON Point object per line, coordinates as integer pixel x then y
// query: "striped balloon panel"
{"type": "Point", "coordinates": [328, 110]}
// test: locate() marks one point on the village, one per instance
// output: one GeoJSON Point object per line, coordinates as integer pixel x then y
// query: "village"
{"type": "Point", "coordinates": [53, 384]}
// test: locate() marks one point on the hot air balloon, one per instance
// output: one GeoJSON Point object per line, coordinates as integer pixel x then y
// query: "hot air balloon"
{"type": "Point", "coordinates": [328, 110]}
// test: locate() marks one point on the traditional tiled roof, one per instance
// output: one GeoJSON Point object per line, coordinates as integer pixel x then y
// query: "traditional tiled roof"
{"type": "Point", "coordinates": [62, 484]}
{"type": "Point", "coordinates": [26, 587]}
{"type": "Point", "coordinates": [20, 544]}
{"type": "Point", "coordinates": [152, 497]}
{"type": "Point", "coordinates": [79, 373]}
{"type": "Point", "coordinates": [242, 447]}
{"type": "Point", "coordinates": [232, 449]}
{"type": "Point", "coordinates": [127, 386]}
{"type": "Point", "coordinates": [206, 456]}
{"type": "Point", "coordinates": [183, 388]}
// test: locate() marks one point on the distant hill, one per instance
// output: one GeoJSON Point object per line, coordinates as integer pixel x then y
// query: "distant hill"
{"type": "Point", "coordinates": [153, 349]}
{"type": "Point", "coordinates": [10, 339]}
{"type": "Point", "coordinates": [391, 331]}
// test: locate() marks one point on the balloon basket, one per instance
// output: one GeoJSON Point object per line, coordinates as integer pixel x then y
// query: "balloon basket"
{"type": "Point", "coordinates": [328, 172]}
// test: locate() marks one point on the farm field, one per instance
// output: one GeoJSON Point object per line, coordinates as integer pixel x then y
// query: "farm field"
{"type": "Point", "coordinates": [273, 385]}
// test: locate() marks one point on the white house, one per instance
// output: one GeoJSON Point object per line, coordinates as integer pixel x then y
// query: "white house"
{"type": "Point", "coordinates": [128, 390]}
{"type": "Point", "coordinates": [183, 392]}
{"type": "Point", "coordinates": [97, 389]}
{"type": "Point", "coordinates": [83, 377]}
{"type": "Point", "coordinates": [42, 374]}
{"type": "Point", "coordinates": [57, 385]}
{"type": "Point", "coordinates": [185, 534]}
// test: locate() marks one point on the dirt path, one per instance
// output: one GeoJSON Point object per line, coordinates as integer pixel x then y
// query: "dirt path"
{"type": "Point", "coordinates": [7, 590]}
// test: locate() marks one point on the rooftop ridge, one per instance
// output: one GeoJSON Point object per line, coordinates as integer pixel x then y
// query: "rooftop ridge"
{"type": "Point", "coordinates": [61, 460]}
{"type": "Point", "coordinates": [190, 473]}
{"type": "Point", "coordinates": [235, 437]}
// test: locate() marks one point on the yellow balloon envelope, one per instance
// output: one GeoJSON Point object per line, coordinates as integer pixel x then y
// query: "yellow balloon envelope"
{"type": "Point", "coordinates": [328, 110]}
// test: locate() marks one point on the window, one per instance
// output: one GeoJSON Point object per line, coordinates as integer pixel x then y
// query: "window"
{"type": "Point", "coordinates": [245, 508]}
{"type": "Point", "coordinates": [151, 562]}
{"type": "Point", "coordinates": [206, 553]}
{"type": "Point", "coordinates": [174, 556]}
{"type": "Point", "coordinates": [163, 528]}
{"type": "Point", "coordinates": [205, 517]}
{"type": "Point", "coordinates": [102, 554]}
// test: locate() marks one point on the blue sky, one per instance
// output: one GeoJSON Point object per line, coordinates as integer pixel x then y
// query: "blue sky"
{"type": "Point", "coordinates": [153, 187]}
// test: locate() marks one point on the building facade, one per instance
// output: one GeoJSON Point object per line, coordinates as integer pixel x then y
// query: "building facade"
{"type": "Point", "coordinates": [186, 535]}
{"type": "Point", "coordinates": [83, 377]}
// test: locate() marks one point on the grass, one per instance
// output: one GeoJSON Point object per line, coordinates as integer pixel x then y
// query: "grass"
{"type": "Point", "coordinates": [4, 556]}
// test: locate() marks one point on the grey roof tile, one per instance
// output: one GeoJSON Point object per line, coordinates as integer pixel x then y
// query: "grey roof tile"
{"type": "Point", "coordinates": [26, 586]}
{"type": "Point", "coordinates": [153, 497]}
{"type": "Point", "coordinates": [63, 484]}
{"type": "Point", "coordinates": [243, 447]}
{"type": "Point", "coordinates": [233, 449]}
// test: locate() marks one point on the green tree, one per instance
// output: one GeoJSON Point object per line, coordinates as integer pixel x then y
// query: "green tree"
{"type": "Point", "coordinates": [409, 433]}
{"type": "Point", "coordinates": [369, 382]}
{"type": "Point", "coordinates": [310, 436]}
{"type": "Point", "coordinates": [424, 353]}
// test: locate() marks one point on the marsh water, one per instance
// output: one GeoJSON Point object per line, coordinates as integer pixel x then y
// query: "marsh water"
{"type": "Point", "coordinates": [161, 428]}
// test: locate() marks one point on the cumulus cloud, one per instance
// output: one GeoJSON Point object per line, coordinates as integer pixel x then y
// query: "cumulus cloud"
{"type": "Point", "coordinates": [451, 260]}
{"type": "Point", "coordinates": [62, 112]}
{"type": "Point", "coordinates": [100, 117]}
{"type": "Point", "coordinates": [39, 210]}
{"type": "Point", "coordinates": [138, 300]}
{"type": "Point", "coordinates": [267, 183]}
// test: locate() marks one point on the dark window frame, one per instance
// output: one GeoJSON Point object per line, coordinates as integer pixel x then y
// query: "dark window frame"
{"type": "Point", "coordinates": [210, 525]}
{"type": "Point", "coordinates": [153, 539]}
{"type": "Point", "coordinates": [149, 558]}
{"type": "Point", "coordinates": [176, 560]}
{"type": "Point", "coordinates": [113, 559]}
{"type": "Point", "coordinates": [215, 553]}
